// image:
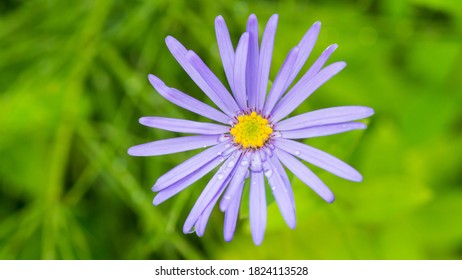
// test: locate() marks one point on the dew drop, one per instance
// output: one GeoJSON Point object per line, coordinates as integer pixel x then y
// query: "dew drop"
{"type": "Point", "coordinates": [220, 175]}
{"type": "Point", "coordinates": [222, 138]}
{"type": "Point", "coordinates": [222, 159]}
{"type": "Point", "coordinates": [262, 156]}
{"type": "Point", "coordinates": [193, 230]}
{"type": "Point", "coordinates": [205, 146]}
{"type": "Point", "coordinates": [255, 163]}
{"type": "Point", "coordinates": [271, 146]}
{"type": "Point", "coordinates": [273, 188]}
{"type": "Point", "coordinates": [297, 153]}
{"type": "Point", "coordinates": [245, 162]}
{"type": "Point", "coordinates": [268, 173]}
{"type": "Point", "coordinates": [277, 134]}
{"type": "Point", "coordinates": [254, 183]}
{"type": "Point", "coordinates": [230, 122]}
{"type": "Point", "coordinates": [231, 163]}
{"type": "Point", "coordinates": [227, 146]}
{"type": "Point", "coordinates": [219, 153]}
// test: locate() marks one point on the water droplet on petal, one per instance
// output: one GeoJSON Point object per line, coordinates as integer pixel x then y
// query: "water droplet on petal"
{"type": "Point", "coordinates": [222, 159]}
{"type": "Point", "coordinates": [231, 164]}
{"type": "Point", "coordinates": [227, 146]}
{"type": "Point", "coordinates": [255, 163]}
{"type": "Point", "coordinates": [230, 122]}
{"type": "Point", "coordinates": [297, 153]}
{"type": "Point", "coordinates": [277, 134]}
{"type": "Point", "coordinates": [271, 146]}
{"type": "Point", "coordinates": [193, 230]}
{"type": "Point", "coordinates": [268, 173]}
{"type": "Point", "coordinates": [220, 152]}
{"type": "Point", "coordinates": [205, 146]}
{"type": "Point", "coordinates": [273, 188]}
{"type": "Point", "coordinates": [222, 138]}
{"type": "Point", "coordinates": [220, 175]}
{"type": "Point", "coordinates": [262, 155]}
{"type": "Point", "coordinates": [245, 162]}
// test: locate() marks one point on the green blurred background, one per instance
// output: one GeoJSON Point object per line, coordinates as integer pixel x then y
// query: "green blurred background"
{"type": "Point", "coordinates": [73, 84]}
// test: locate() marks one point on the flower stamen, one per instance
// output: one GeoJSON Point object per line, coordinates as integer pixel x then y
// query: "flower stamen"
{"type": "Point", "coordinates": [251, 131]}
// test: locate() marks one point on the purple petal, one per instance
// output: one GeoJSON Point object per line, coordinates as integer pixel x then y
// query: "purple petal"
{"type": "Point", "coordinates": [231, 214]}
{"type": "Point", "coordinates": [278, 87]}
{"type": "Point", "coordinates": [183, 56]}
{"type": "Point", "coordinates": [285, 82]}
{"type": "Point", "coordinates": [233, 188]}
{"type": "Point", "coordinates": [332, 115]}
{"type": "Point", "coordinates": [240, 65]}
{"type": "Point", "coordinates": [306, 46]}
{"type": "Point", "coordinates": [280, 192]}
{"type": "Point", "coordinates": [223, 97]}
{"type": "Point", "coordinates": [256, 162]}
{"type": "Point", "coordinates": [185, 101]}
{"type": "Point", "coordinates": [185, 126]}
{"type": "Point", "coordinates": [319, 63]}
{"type": "Point", "coordinates": [252, 61]}
{"type": "Point", "coordinates": [173, 145]}
{"type": "Point", "coordinates": [303, 89]}
{"type": "Point", "coordinates": [322, 130]}
{"type": "Point", "coordinates": [319, 158]}
{"type": "Point", "coordinates": [225, 47]}
{"type": "Point", "coordinates": [201, 222]}
{"type": "Point", "coordinates": [266, 54]}
{"type": "Point", "coordinates": [285, 179]}
{"type": "Point", "coordinates": [213, 190]}
{"type": "Point", "coordinates": [182, 184]}
{"type": "Point", "coordinates": [305, 175]}
{"type": "Point", "coordinates": [257, 207]}
{"type": "Point", "coordinates": [189, 166]}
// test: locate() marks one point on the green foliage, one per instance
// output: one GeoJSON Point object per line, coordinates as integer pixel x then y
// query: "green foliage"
{"type": "Point", "coordinates": [74, 82]}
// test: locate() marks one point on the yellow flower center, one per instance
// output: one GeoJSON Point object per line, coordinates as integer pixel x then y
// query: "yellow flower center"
{"type": "Point", "coordinates": [251, 131]}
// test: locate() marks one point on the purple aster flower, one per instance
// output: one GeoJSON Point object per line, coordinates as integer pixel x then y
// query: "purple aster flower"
{"type": "Point", "coordinates": [252, 138]}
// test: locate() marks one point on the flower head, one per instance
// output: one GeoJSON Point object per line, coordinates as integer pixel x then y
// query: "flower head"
{"type": "Point", "coordinates": [251, 137]}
